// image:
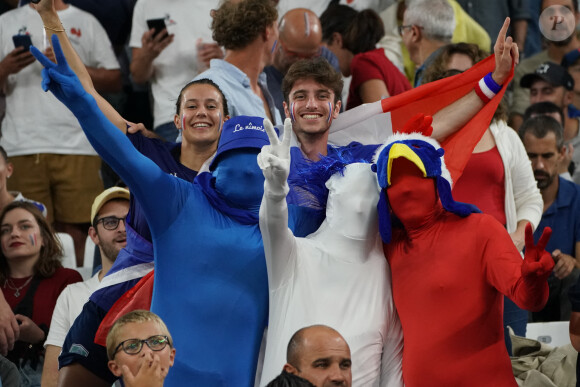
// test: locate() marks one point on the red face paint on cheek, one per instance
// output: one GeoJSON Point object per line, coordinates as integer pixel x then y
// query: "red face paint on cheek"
{"type": "Point", "coordinates": [329, 120]}
{"type": "Point", "coordinates": [32, 239]}
{"type": "Point", "coordinates": [292, 106]}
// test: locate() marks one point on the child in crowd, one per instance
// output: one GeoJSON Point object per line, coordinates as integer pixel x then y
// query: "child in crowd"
{"type": "Point", "coordinates": [139, 364]}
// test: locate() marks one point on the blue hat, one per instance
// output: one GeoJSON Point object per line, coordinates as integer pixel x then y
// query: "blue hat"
{"type": "Point", "coordinates": [241, 132]}
{"type": "Point", "coordinates": [570, 58]}
{"type": "Point", "coordinates": [427, 155]}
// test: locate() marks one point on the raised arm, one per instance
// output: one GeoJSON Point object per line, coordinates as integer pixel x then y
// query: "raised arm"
{"type": "Point", "coordinates": [53, 26]}
{"type": "Point", "coordinates": [279, 242]}
{"type": "Point", "coordinates": [451, 118]}
{"type": "Point", "coordinates": [151, 186]}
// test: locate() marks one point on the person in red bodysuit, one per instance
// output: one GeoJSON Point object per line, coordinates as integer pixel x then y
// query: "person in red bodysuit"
{"type": "Point", "coordinates": [449, 270]}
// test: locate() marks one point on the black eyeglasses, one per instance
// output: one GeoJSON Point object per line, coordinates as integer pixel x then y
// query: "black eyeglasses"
{"type": "Point", "coordinates": [402, 28]}
{"type": "Point", "coordinates": [110, 222]}
{"type": "Point", "coordinates": [134, 346]}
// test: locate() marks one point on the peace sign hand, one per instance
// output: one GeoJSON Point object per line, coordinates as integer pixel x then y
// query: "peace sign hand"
{"type": "Point", "coordinates": [58, 77]}
{"type": "Point", "coordinates": [274, 159]}
{"type": "Point", "coordinates": [537, 261]}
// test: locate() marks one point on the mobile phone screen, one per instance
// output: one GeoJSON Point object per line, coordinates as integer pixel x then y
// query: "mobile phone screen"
{"type": "Point", "coordinates": [158, 24]}
{"type": "Point", "coordinates": [22, 41]}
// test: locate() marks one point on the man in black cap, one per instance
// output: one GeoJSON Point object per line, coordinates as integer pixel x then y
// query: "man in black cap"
{"type": "Point", "coordinates": [550, 82]}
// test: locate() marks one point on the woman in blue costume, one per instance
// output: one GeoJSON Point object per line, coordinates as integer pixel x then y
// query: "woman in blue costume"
{"type": "Point", "coordinates": [200, 103]}
{"type": "Point", "coordinates": [205, 235]}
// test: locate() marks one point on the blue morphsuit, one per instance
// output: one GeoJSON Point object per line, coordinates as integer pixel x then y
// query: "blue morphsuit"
{"type": "Point", "coordinates": [210, 275]}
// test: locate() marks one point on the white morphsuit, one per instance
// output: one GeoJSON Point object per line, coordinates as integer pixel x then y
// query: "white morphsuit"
{"type": "Point", "coordinates": [337, 276]}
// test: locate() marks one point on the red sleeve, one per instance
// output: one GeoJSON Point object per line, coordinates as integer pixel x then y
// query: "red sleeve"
{"type": "Point", "coordinates": [503, 268]}
{"type": "Point", "coordinates": [375, 65]}
{"type": "Point", "coordinates": [48, 291]}
{"type": "Point", "coordinates": [363, 69]}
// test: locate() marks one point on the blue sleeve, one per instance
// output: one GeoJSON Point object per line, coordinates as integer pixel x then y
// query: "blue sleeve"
{"type": "Point", "coordinates": [304, 221]}
{"type": "Point", "coordinates": [158, 192]}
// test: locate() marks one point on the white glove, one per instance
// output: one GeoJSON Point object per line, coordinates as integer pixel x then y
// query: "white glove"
{"type": "Point", "coordinates": [274, 159]}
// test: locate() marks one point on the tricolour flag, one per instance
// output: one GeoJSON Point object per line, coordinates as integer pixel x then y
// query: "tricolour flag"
{"type": "Point", "coordinates": [374, 122]}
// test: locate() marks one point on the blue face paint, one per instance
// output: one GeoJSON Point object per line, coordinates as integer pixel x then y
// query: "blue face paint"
{"type": "Point", "coordinates": [238, 179]}
{"type": "Point", "coordinates": [329, 113]}
{"type": "Point", "coordinates": [274, 46]}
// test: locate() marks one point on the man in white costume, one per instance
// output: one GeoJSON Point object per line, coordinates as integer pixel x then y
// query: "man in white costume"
{"type": "Point", "coordinates": [337, 276]}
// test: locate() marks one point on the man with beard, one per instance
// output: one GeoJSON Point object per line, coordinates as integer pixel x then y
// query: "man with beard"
{"type": "Point", "coordinates": [543, 140]}
{"type": "Point", "coordinates": [554, 52]}
{"type": "Point", "coordinates": [108, 232]}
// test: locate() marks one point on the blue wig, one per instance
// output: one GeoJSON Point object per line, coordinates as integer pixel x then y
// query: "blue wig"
{"type": "Point", "coordinates": [309, 181]}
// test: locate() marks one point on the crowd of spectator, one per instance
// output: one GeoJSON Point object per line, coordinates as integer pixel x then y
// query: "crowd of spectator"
{"type": "Point", "coordinates": [286, 264]}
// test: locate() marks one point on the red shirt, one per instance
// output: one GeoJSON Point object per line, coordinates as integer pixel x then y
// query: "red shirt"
{"type": "Point", "coordinates": [483, 184]}
{"type": "Point", "coordinates": [46, 294]}
{"type": "Point", "coordinates": [374, 65]}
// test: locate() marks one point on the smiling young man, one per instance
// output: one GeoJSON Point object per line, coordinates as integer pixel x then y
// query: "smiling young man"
{"type": "Point", "coordinates": [312, 90]}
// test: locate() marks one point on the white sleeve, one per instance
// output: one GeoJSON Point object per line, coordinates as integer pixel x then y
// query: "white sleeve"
{"type": "Point", "coordinates": [527, 196]}
{"type": "Point", "coordinates": [59, 325]}
{"type": "Point", "coordinates": [392, 359]}
{"type": "Point", "coordinates": [139, 25]}
{"type": "Point", "coordinates": [279, 242]}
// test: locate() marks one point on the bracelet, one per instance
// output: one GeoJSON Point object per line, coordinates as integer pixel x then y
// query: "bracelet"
{"type": "Point", "coordinates": [55, 29]}
{"type": "Point", "coordinates": [487, 88]}
{"type": "Point", "coordinates": [491, 83]}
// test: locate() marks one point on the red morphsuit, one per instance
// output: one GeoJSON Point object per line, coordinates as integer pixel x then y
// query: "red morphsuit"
{"type": "Point", "coordinates": [448, 276]}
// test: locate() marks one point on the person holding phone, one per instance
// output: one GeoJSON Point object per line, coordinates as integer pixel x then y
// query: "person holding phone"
{"type": "Point", "coordinates": [14, 61]}
{"type": "Point", "coordinates": [54, 162]}
{"type": "Point", "coordinates": [165, 53]}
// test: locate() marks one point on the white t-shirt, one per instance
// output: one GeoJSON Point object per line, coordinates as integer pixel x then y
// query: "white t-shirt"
{"type": "Point", "coordinates": [35, 121]}
{"type": "Point", "coordinates": [68, 306]}
{"type": "Point", "coordinates": [176, 65]}
{"type": "Point", "coordinates": [336, 278]}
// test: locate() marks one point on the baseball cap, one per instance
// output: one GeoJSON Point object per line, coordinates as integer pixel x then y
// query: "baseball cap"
{"type": "Point", "coordinates": [570, 58]}
{"type": "Point", "coordinates": [241, 132]}
{"type": "Point", "coordinates": [106, 196]}
{"type": "Point", "coordinates": [552, 73]}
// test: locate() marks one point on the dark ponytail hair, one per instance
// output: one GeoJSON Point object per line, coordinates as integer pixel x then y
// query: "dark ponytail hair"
{"type": "Point", "coordinates": [360, 31]}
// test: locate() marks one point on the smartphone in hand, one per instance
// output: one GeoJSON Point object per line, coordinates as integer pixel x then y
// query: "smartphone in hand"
{"type": "Point", "coordinates": [157, 24]}
{"type": "Point", "coordinates": [22, 41]}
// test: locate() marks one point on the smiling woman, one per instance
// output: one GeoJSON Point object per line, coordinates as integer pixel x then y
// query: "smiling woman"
{"type": "Point", "coordinates": [32, 278]}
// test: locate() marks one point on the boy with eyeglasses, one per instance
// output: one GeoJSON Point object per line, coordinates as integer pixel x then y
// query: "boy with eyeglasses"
{"type": "Point", "coordinates": [140, 349]}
